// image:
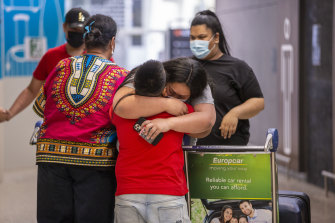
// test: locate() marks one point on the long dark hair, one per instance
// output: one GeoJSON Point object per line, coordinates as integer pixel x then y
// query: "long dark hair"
{"type": "Point", "coordinates": [188, 71]}
{"type": "Point", "coordinates": [181, 70]}
{"type": "Point", "coordinates": [224, 208]}
{"type": "Point", "coordinates": [99, 30]}
{"type": "Point", "coordinates": [212, 22]}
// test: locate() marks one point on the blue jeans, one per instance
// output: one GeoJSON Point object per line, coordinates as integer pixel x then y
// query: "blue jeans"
{"type": "Point", "coordinates": [150, 208]}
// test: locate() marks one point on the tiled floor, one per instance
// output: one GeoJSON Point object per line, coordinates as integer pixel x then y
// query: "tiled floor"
{"type": "Point", "coordinates": [18, 197]}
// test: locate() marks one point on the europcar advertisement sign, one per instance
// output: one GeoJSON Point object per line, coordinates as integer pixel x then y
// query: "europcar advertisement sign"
{"type": "Point", "coordinates": [230, 176]}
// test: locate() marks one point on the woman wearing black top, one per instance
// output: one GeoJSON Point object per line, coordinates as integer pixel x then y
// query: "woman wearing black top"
{"type": "Point", "coordinates": [236, 92]}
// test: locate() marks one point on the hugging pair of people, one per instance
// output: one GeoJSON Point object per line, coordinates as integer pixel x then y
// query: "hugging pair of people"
{"type": "Point", "coordinates": [150, 178]}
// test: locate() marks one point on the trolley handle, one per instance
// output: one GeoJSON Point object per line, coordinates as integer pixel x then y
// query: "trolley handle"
{"type": "Point", "coordinates": [271, 145]}
{"type": "Point", "coordinates": [271, 142]}
{"type": "Point", "coordinates": [34, 136]}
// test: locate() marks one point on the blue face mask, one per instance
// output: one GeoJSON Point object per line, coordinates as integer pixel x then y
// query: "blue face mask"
{"type": "Point", "coordinates": [200, 49]}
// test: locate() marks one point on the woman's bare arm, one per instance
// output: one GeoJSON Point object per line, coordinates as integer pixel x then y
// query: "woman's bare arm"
{"type": "Point", "coordinates": [24, 99]}
{"type": "Point", "coordinates": [135, 106]}
{"type": "Point", "coordinates": [248, 109]}
{"type": "Point", "coordinates": [198, 124]}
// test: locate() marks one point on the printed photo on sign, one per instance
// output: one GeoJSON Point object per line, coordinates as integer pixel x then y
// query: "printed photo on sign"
{"type": "Point", "coordinates": [232, 187]}
{"type": "Point", "coordinates": [237, 211]}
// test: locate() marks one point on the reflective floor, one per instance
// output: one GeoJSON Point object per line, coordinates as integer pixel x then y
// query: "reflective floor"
{"type": "Point", "coordinates": [18, 197]}
{"type": "Point", "coordinates": [322, 207]}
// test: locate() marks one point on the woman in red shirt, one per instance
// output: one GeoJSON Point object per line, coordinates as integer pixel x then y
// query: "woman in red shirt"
{"type": "Point", "coordinates": [150, 179]}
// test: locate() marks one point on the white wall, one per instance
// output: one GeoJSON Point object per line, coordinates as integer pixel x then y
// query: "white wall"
{"type": "Point", "coordinates": [17, 153]}
{"type": "Point", "coordinates": [251, 32]}
{"type": "Point", "coordinates": [158, 17]}
{"type": "Point", "coordinates": [2, 158]}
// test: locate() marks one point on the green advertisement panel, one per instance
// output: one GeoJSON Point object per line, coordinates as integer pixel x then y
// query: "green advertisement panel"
{"type": "Point", "coordinates": [230, 176]}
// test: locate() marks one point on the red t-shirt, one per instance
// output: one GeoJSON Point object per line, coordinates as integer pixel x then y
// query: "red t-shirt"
{"type": "Point", "coordinates": [142, 168]}
{"type": "Point", "coordinates": [49, 60]}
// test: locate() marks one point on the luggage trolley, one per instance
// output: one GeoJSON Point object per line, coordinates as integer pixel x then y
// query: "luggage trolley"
{"type": "Point", "coordinates": [235, 174]}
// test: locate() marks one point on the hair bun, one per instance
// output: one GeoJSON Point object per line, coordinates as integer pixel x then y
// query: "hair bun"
{"type": "Point", "coordinates": [100, 30]}
{"type": "Point", "coordinates": [96, 32]}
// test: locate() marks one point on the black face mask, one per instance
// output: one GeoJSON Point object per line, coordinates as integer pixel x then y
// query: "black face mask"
{"type": "Point", "coordinates": [75, 39]}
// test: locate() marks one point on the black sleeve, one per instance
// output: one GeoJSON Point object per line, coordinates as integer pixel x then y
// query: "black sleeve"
{"type": "Point", "coordinates": [249, 86]}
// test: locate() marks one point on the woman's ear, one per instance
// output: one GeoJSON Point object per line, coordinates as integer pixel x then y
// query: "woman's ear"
{"type": "Point", "coordinates": [112, 44]}
{"type": "Point", "coordinates": [164, 93]}
{"type": "Point", "coordinates": [217, 38]}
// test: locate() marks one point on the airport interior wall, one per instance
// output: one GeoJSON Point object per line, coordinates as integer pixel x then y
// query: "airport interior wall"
{"type": "Point", "coordinates": [15, 151]}
{"type": "Point", "coordinates": [289, 45]}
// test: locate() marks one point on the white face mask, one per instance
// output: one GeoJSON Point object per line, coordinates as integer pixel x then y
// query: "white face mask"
{"type": "Point", "coordinates": [200, 49]}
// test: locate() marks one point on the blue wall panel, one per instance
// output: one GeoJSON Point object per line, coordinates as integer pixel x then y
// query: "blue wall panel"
{"type": "Point", "coordinates": [28, 29]}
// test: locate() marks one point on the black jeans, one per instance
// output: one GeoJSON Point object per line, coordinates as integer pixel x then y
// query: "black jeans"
{"type": "Point", "coordinates": [75, 195]}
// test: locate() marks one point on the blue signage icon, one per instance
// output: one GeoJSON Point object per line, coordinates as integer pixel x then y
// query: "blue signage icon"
{"type": "Point", "coordinates": [28, 29]}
